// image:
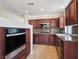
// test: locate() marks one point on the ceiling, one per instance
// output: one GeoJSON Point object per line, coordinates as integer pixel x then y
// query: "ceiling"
{"type": "Point", "coordinates": [33, 7]}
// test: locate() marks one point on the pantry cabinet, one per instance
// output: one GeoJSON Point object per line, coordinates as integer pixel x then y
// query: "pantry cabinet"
{"type": "Point", "coordinates": [71, 13]}
{"type": "Point", "coordinates": [67, 15]}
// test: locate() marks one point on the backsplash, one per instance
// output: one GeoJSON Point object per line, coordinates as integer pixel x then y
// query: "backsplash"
{"type": "Point", "coordinates": [57, 30]}
{"type": "Point", "coordinates": [48, 30]}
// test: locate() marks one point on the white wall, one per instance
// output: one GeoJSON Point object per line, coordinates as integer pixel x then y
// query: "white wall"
{"type": "Point", "coordinates": [0, 4]}
{"type": "Point", "coordinates": [11, 16]}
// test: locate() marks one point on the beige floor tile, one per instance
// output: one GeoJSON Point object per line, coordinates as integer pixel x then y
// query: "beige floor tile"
{"type": "Point", "coordinates": [43, 52]}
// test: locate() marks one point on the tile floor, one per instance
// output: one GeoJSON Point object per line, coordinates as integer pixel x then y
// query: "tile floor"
{"type": "Point", "coordinates": [43, 52]}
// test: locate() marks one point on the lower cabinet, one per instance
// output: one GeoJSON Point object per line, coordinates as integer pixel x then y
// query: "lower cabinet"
{"type": "Point", "coordinates": [58, 42]}
{"type": "Point", "coordinates": [74, 50]}
{"type": "Point", "coordinates": [70, 50]}
{"type": "Point", "coordinates": [40, 38]}
{"type": "Point", "coordinates": [51, 39]}
{"type": "Point", "coordinates": [65, 49]}
{"type": "Point", "coordinates": [35, 38]}
{"type": "Point", "coordinates": [43, 39]}
{"type": "Point", "coordinates": [27, 49]}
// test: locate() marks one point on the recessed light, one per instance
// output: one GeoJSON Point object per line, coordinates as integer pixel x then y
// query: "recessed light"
{"type": "Point", "coordinates": [26, 11]}
{"type": "Point", "coordinates": [61, 6]}
{"type": "Point", "coordinates": [42, 9]}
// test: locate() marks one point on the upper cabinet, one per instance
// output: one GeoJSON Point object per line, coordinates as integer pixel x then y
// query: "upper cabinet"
{"type": "Point", "coordinates": [51, 23]}
{"type": "Point", "coordinates": [71, 13]}
{"type": "Point", "coordinates": [35, 23]}
{"type": "Point", "coordinates": [67, 15]}
{"type": "Point", "coordinates": [61, 22]}
{"type": "Point", "coordinates": [54, 22]}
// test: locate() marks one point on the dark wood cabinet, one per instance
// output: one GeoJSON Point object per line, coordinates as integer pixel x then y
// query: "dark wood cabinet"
{"type": "Point", "coordinates": [67, 50]}
{"type": "Point", "coordinates": [35, 23]}
{"type": "Point", "coordinates": [35, 38]}
{"type": "Point", "coordinates": [67, 15]}
{"type": "Point", "coordinates": [62, 22]}
{"type": "Point", "coordinates": [27, 35]}
{"type": "Point", "coordinates": [59, 44]}
{"type": "Point", "coordinates": [27, 42]}
{"type": "Point", "coordinates": [70, 50]}
{"type": "Point", "coordinates": [54, 23]}
{"type": "Point", "coordinates": [74, 50]}
{"type": "Point", "coordinates": [2, 52]}
{"type": "Point", "coordinates": [43, 38]}
{"type": "Point", "coordinates": [51, 39]}
{"type": "Point", "coordinates": [44, 20]}
{"type": "Point", "coordinates": [71, 13]}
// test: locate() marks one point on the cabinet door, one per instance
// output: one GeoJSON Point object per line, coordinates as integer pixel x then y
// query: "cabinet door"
{"type": "Point", "coordinates": [27, 41]}
{"type": "Point", "coordinates": [67, 49]}
{"type": "Point", "coordinates": [27, 35]}
{"type": "Point", "coordinates": [35, 23]}
{"type": "Point", "coordinates": [74, 50]}
{"type": "Point", "coordinates": [51, 40]}
{"type": "Point", "coordinates": [61, 22]}
{"type": "Point", "coordinates": [54, 23]}
{"type": "Point", "coordinates": [2, 43]}
{"type": "Point", "coordinates": [43, 39]}
{"type": "Point", "coordinates": [73, 12]}
{"type": "Point", "coordinates": [35, 38]}
{"type": "Point", "coordinates": [67, 15]}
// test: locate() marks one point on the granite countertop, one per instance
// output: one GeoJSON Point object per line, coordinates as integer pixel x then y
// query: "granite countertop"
{"type": "Point", "coordinates": [63, 37]}
{"type": "Point", "coordinates": [73, 38]}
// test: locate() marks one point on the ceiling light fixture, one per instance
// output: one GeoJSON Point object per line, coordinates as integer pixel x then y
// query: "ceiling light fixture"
{"type": "Point", "coordinates": [42, 9]}
{"type": "Point", "coordinates": [61, 6]}
{"type": "Point", "coordinates": [26, 11]}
